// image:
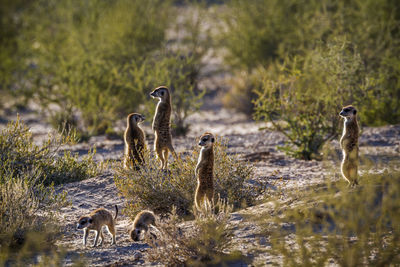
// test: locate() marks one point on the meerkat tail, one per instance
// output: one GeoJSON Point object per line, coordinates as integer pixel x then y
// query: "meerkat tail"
{"type": "Point", "coordinates": [116, 212]}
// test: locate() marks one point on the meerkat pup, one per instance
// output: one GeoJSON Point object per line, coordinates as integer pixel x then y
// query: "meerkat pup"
{"type": "Point", "coordinates": [161, 125]}
{"type": "Point", "coordinates": [95, 221]}
{"type": "Point", "coordinates": [205, 171]}
{"type": "Point", "coordinates": [134, 138]}
{"type": "Point", "coordinates": [349, 145]}
{"type": "Point", "coordinates": [142, 221]}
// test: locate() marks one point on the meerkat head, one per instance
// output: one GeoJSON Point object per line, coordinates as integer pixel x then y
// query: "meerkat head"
{"type": "Point", "coordinates": [135, 234]}
{"type": "Point", "coordinates": [161, 92]}
{"type": "Point", "coordinates": [348, 112]}
{"type": "Point", "coordinates": [84, 222]}
{"type": "Point", "coordinates": [207, 140]}
{"type": "Point", "coordinates": [135, 118]}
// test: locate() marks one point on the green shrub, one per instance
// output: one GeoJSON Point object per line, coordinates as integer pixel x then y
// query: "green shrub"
{"type": "Point", "coordinates": [25, 204]}
{"type": "Point", "coordinates": [11, 66]}
{"type": "Point", "coordinates": [307, 95]}
{"type": "Point", "coordinates": [151, 188]}
{"type": "Point", "coordinates": [19, 154]}
{"type": "Point", "coordinates": [88, 55]}
{"type": "Point", "coordinates": [332, 224]}
{"type": "Point", "coordinates": [201, 244]}
{"type": "Point", "coordinates": [259, 32]}
{"type": "Point", "coordinates": [270, 33]}
{"type": "Point", "coordinates": [28, 199]}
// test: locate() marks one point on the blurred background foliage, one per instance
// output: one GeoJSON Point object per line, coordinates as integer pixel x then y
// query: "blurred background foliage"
{"type": "Point", "coordinates": [307, 59]}
{"type": "Point", "coordinates": [91, 62]}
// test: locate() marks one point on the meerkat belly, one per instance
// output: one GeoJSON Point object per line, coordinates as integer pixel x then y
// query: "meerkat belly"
{"type": "Point", "coordinates": [205, 178]}
{"type": "Point", "coordinates": [353, 155]}
{"type": "Point", "coordinates": [344, 142]}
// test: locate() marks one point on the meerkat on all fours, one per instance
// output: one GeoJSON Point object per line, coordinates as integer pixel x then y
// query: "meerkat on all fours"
{"type": "Point", "coordinates": [161, 125]}
{"type": "Point", "coordinates": [135, 143]}
{"type": "Point", "coordinates": [349, 145]}
{"type": "Point", "coordinates": [95, 221]}
{"type": "Point", "coordinates": [142, 222]}
{"type": "Point", "coordinates": [205, 172]}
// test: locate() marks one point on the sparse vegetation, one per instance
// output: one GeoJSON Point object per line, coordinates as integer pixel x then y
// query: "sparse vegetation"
{"type": "Point", "coordinates": [84, 65]}
{"type": "Point", "coordinates": [204, 242]}
{"type": "Point", "coordinates": [330, 224]}
{"type": "Point", "coordinates": [19, 155]}
{"type": "Point", "coordinates": [287, 39]}
{"type": "Point", "coordinates": [91, 62]}
{"type": "Point", "coordinates": [28, 173]}
{"type": "Point", "coordinates": [151, 188]}
{"type": "Point", "coordinates": [307, 94]}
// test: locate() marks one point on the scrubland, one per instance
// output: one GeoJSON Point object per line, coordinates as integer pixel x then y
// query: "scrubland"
{"type": "Point", "coordinates": [267, 77]}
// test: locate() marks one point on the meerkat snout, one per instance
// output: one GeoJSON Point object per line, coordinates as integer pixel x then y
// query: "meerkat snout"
{"type": "Point", "coordinates": [206, 141]}
{"type": "Point", "coordinates": [347, 112]}
{"type": "Point", "coordinates": [160, 92]}
{"type": "Point", "coordinates": [138, 118]}
{"type": "Point", "coordinates": [83, 223]}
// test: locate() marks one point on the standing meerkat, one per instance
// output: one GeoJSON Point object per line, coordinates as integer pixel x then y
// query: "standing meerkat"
{"type": "Point", "coordinates": [161, 125]}
{"type": "Point", "coordinates": [349, 145]}
{"type": "Point", "coordinates": [135, 143]}
{"type": "Point", "coordinates": [95, 221]}
{"type": "Point", "coordinates": [205, 171]}
{"type": "Point", "coordinates": [142, 221]}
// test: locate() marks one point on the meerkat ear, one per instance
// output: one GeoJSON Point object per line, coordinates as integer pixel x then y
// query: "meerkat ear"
{"type": "Point", "coordinates": [212, 140]}
{"type": "Point", "coordinates": [162, 92]}
{"type": "Point", "coordinates": [354, 112]}
{"type": "Point", "coordinates": [90, 220]}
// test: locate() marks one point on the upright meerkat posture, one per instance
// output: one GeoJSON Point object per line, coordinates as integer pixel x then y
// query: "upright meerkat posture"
{"type": "Point", "coordinates": [134, 138]}
{"type": "Point", "coordinates": [161, 125]}
{"type": "Point", "coordinates": [205, 171]}
{"type": "Point", "coordinates": [95, 221]}
{"type": "Point", "coordinates": [141, 223]}
{"type": "Point", "coordinates": [349, 145]}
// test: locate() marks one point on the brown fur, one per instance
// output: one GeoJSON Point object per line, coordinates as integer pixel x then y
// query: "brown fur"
{"type": "Point", "coordinates": [95, 221]}
{"type": "Point", "coordinates": [205, 171]}
{"type": "Point", "coordinates": [161, 126]}
{"type": "Point", "coordinates": [349, 145]}
{"type": "Point", "coordinates": [135, 143]}
{"type": "Point", "coordinates": [141, 223]}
